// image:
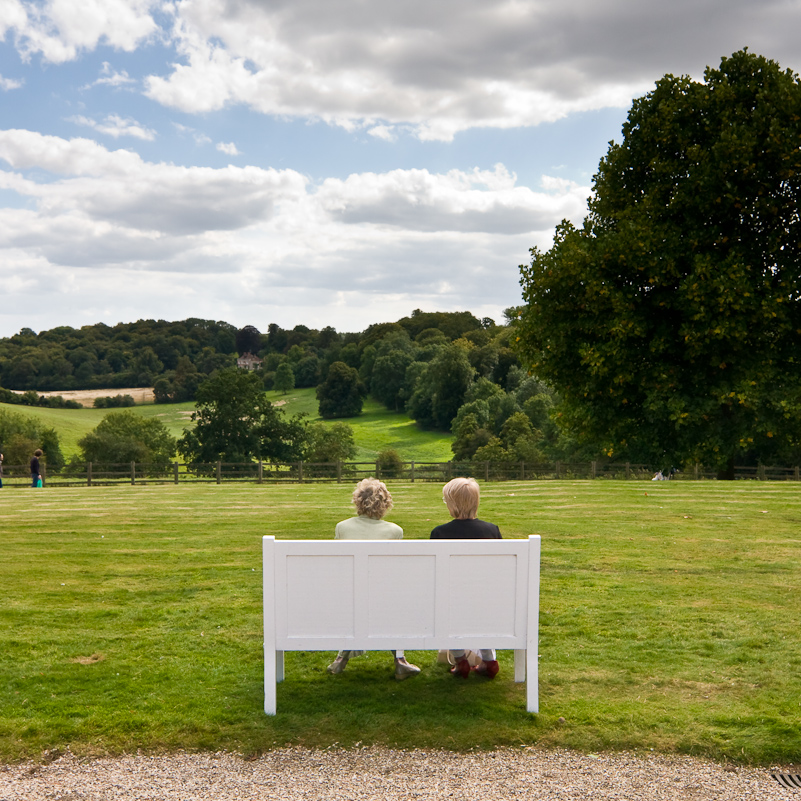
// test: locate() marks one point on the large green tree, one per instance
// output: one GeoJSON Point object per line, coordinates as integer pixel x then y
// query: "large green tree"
{"type": "Point", "coordinates": [125, 436]}
{"type": "Point", "coordinates": [248, 340]}
{"type": "Point", "coordinates": [441, 388]}
{"type": "Point", "coordinates": [235, 422]}
{"type": "Point", "coordinates": [342, 393]}
{"type": "Point", "coordinates": [670, 322]}
{"type": "Point", "coordinates": [284, 380]}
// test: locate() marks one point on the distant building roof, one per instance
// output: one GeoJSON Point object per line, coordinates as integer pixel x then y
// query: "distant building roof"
{"type": "Point", "coordinates": [247, 361]}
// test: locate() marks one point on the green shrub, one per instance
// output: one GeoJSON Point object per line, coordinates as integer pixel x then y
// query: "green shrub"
{"type": "Point", "coordinates": [389, 463]}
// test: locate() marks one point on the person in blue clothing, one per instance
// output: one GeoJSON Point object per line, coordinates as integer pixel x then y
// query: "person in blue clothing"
{"type": "Point", "coordinates": [461, 496]}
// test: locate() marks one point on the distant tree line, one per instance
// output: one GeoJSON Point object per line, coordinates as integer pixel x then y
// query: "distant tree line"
{"type": "Point", "coordinates": [449, 370]}
{"type": "Point", "coordinates": [179, 355]}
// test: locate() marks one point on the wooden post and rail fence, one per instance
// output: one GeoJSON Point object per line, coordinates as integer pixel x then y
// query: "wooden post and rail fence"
{"type": "Point", "coordinates": [91, 474]}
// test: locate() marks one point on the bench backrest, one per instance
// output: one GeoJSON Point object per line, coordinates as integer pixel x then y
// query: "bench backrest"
{"type": "Point", "coordinates": [402, 594]}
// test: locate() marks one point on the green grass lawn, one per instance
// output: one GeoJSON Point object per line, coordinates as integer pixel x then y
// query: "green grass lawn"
{"type": "Point", "coordinates": [131, 619]}
{"type": "Point", "coordinates": [376, 429]}
{"type": "Point", "coordinates": [72, 424]}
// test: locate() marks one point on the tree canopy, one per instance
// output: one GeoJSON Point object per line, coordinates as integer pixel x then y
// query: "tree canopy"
{"type": "Point", "coordinates": [441, 388]}
{"type": "Point", "coordinates": [20, 436]}
{"type": "Point", "coordinates": [248, 340]}
{"type": "Point", "coordinates": [235, 422]}
{"type": "Point", "coordinates": [670, 322]}
{"type": "Point", "coordinates": [125, 436]}
{"type": "Point", "coordinates": [342, 393]}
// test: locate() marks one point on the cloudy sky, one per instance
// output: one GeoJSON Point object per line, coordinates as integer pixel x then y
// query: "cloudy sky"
{"type": "Point", "coordinates": [326, 162]}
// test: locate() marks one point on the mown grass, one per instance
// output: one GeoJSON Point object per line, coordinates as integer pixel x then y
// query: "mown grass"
{"type": "Point", "coordinates": [669, 621]}
{"type": "Point", "coordinates": [72, 424]}
{"type": "Point", "coordinates": [376, 429]}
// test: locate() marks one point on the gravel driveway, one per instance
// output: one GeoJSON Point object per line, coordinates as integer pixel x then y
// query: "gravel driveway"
{"type": "Point", "coordinates": [379, 773]}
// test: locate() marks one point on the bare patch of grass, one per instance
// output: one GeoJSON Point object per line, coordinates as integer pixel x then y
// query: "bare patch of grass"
{"type": "Point", "coordinates": [89, 660]}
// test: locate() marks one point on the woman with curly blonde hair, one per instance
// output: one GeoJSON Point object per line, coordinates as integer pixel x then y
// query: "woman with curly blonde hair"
{"type": "Point", "coordinates": [372, 501]}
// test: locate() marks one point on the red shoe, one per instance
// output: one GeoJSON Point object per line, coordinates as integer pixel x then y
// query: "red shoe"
{"type": "Point", "coordinates": [461, 668]}
{"type": "Point", "coordinates": [488, 669]}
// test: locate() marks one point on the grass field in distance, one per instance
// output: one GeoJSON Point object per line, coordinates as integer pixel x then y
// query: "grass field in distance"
{"type": "Point", "coordinates": [669, 621]}
{"type": "Point", "coordinates": [376, 429]}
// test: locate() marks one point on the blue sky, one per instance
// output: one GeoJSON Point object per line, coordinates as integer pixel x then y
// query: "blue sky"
{"type": "Point", "coordinates": [317, 161]}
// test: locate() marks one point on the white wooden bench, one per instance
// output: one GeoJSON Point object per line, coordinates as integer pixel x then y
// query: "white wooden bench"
{"type": "Point", "coordinates": [327, 595]}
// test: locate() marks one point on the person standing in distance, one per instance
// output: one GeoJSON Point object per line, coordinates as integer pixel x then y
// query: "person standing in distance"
{"type": "Point", "coordinates": [36, 473]}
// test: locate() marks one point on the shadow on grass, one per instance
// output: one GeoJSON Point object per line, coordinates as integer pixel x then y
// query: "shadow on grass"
{"type": "Point", "coordinates": [366, 703]}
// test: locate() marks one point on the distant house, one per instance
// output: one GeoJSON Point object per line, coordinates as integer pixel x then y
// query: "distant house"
{"type": "Point", "coordinates": [247, 361]}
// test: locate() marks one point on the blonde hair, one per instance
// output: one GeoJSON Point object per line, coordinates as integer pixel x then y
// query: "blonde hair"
{"type": "Point", "coordinates": [371, 498]}
{"type": "Point", "coordinates": [462, 496]}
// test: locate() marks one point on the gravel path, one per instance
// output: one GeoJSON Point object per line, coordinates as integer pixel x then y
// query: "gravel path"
{"type": "Point", "coordinates": [380, 773]}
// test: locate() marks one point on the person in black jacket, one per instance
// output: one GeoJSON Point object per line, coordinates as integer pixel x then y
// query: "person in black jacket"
{"type": "Point", "coordinates": [36, 473]}
{"type": "Point", "coordinates": [461, 496]}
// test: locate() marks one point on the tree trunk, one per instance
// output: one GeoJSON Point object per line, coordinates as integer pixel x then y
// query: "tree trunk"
{"type": "Point", "coordinates": [727, 473]}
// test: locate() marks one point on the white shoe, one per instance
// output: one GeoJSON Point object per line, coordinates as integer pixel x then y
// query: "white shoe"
{"type": "Point", "coordinates": [338, 665]}
{"type": "Point", "coordinates": [404, 669]}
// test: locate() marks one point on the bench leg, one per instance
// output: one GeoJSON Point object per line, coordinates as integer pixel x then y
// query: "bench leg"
{"type": "Point", "coordinates": [270, 702]}
{"type": "Point", "coordinates": [279, 666]}
{"type": "Point", "coordinates": [520, 665]}
{"type": "Point", "coordinates": [532, 681]}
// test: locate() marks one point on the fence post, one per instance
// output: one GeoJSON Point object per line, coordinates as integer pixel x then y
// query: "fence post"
{"type": "Point", "coordinates": [339, 471]}
{"type": "Point", "coordinates": [628, 471]}
{"type": "Point", "coordinates": [377, 469]}
{"type": "Point", "coordinates": [44, 473]}
{"type": "Point", "coordinates": [558, 468]}
{"type": "Point", "coordinates": [300, 472]}
{"type": "Point", "coordinates": [219, 471]}
{"type": "Point", "coordinates": [593, 467]}
{"type": "Point", "coordinates": [175, 471]}
{"type": "Point", "coordinates": [522, 470]}
{"type": "Point", "coordinates": [486, 470]}
{"type": "Point", "coordinates": [88, 474]}
{"type": "Point", "coordinates": [695, 471]}
{"type": "Point", "coordinates": [261, 471]}
{"type": "Point", "coordinates": [796, 472]}
{"type": "Point", "coordinates": [133, 472]}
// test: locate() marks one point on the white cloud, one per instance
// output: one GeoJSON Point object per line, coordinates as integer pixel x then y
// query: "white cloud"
{"type": "Point", "coordinates": [7, 84]}
{"type": "Point", "coordinates": [116, 126]}
{"type": "Point", "coordinates": [447, 66]}
{"type": "Point", "coordinates": [104, 188]}
{"type": "Point", "coordinates": [385, 132]}
{"type": "Point", "coordinates": [439, 68]}
{"type": "Point", "coordinates": [61, 29]}
{"type": "Point", "coordinates": [199, 137]}
{"type": "Point", "coordinates": [416, 200]}
{"type": "Point", "coordinates": [97, 220]}
{"type": "Point", "coordinates": [110, 77]}
{"type": "Point", "coordinates": [229, 148]}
